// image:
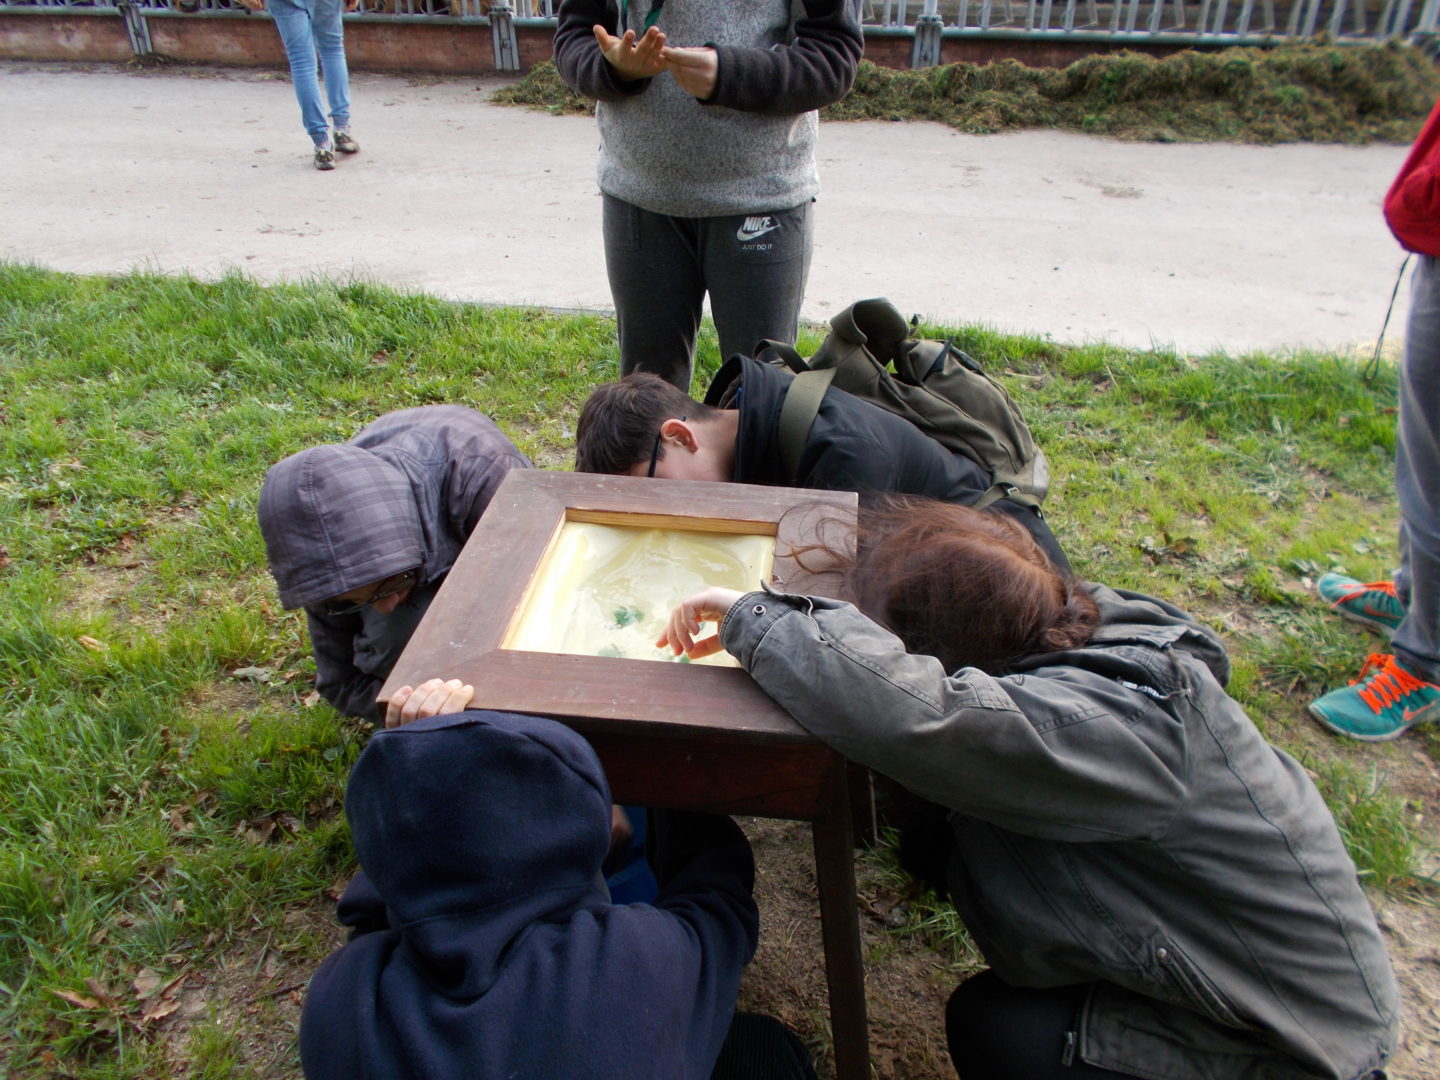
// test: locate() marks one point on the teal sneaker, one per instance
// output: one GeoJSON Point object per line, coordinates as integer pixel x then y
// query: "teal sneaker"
{"type": "Point", "coordinates": [1383, 703]}
{"type": "Point", "coordinates": [1374, 603]}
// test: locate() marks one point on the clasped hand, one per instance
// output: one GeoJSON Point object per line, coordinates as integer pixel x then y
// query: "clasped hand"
{"type": "Point", "coordinates": [694, 69]}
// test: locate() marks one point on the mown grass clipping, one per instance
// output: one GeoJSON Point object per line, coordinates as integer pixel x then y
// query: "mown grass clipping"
{"type": "Point", "coordinates": [1291, 93]}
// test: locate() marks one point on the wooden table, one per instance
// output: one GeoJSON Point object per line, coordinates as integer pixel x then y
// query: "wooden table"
{"type": "Point", "coordinates": [670, 736]}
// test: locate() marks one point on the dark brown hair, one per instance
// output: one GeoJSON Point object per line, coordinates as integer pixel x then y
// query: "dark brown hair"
{"type": "Point", "coordinates": [970, 587]}
{"type": "Point", "coordinates": [619, 421]}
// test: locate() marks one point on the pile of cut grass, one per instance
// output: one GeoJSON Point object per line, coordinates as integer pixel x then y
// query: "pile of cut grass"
{"type": "Point", "coordinates": [1291, 93]}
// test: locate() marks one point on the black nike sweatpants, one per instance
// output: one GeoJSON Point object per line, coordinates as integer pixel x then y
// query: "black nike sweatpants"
{"type": "Point", "coordinates": [753, 266]}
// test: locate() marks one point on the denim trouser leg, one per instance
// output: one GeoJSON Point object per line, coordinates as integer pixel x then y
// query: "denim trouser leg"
{"type": "Point", "coordinates": [329, 34]}
{"type": "Point", "coordinates": [1417, 478]}
{"type": "Point", "coordinates": [293, 18]}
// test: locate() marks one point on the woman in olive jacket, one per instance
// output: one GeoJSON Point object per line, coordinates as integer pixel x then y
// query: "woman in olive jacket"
{"type": "Point", "coordinates": [1158, 891]}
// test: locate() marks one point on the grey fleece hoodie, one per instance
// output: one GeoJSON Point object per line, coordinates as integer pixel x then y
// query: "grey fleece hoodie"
{"type": "Point", "coordinates": [751, 145]}
{"type": "Point", "coordinates": [405, 493]}
{"type": "Point", "coordinates": [1118, 821]}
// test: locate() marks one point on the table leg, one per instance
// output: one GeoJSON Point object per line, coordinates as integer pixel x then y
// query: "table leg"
{"type": "Point", "coordinates": [840, 929]}
{"type": "Point", "coordinates": [862, 804]}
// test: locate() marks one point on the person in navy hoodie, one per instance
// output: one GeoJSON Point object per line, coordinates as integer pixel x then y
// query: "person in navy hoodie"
{"type": "Point", "coordinates": [482, 941]}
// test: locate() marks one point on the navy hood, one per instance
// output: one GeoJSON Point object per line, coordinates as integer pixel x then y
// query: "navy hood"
{"type": "Point", "coordinates": [483, 945]}
{"type": "Point", "coordinates": [460, 816]}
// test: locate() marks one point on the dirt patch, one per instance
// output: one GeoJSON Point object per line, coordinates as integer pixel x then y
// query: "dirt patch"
{"type": "Point", "coordinates": [1412, 932]}
{"type": "Point", "coordinates": [253, 993]}
{"type": "Point", "coordinates": [906, 982]}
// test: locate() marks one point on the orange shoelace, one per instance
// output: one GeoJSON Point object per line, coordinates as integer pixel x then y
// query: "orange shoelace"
{"type": "Point", "coordinates": [1390, 684]}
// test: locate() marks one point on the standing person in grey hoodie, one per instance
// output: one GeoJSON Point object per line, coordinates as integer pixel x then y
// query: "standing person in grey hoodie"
{"type": "Point", "coordinates": [361, 535]}
{"type": "Point", "coordinates": [708, 122]}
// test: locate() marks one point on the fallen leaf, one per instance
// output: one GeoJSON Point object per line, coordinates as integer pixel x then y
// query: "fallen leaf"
{"type": "Point", "coordinates": [159, 1009]}
{"type": "Point", "coordinates": [311, 699]}
{"type": "Point", "coordinates": [146, 983]}
{"type": "Point", "coordinates": [98, 989]}
{"type": "Point", "coordinates": [257, 832]}
{"type": "Point", "coordinates": [77, 999]}
{"type": "Point", "coordinates": [93, 644]}
{"type": "Point", "coordinates": [178, 821]}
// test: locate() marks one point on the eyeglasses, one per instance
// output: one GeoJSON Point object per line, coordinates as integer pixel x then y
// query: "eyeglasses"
{"type": "Point", "coordinates": [395, 583]}
{"type": "Point", "coordinates": [655, 451]}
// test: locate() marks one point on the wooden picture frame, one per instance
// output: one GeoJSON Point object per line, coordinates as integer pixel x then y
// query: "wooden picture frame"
{"type": "Point", "coordinates": [672, 736]}
{"type": "Point", "coordinates": [461, 634]}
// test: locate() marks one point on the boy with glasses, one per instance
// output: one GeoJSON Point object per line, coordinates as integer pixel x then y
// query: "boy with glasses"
{"type": "Point", "coordinates": [361, 535]}
{"type": "Point", "coordinates": [644, 426]}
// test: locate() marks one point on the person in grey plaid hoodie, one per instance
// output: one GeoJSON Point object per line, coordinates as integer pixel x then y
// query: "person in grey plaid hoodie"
{"type": "Point", "coordinates": [361, 535]}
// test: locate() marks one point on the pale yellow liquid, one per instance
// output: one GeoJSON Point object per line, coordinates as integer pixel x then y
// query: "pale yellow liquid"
{"type": "Point", "coordinates": [608, 590]}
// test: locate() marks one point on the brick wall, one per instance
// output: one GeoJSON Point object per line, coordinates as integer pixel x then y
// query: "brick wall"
{"type": "Point", "coordinates": [438, 47]}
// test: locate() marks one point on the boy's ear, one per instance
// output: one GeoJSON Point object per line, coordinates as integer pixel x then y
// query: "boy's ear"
{"type": "Point", "coordinates": [680, 432]}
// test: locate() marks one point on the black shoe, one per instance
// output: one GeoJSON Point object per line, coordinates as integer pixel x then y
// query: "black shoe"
{"type": "Point", "coordinates": [324, 158]}
{"type": "Point", "coordinates": [345, 144]}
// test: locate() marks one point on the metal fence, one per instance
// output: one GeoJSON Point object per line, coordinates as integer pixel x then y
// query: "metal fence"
{"type": "Point", "coordinates": [449, 10]}
{"type": "Point", "coordinates": [926, 22]}
{"type": "Point", "coordinates": [1201, 19]}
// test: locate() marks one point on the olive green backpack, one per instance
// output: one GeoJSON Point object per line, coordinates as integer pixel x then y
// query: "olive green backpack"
{"type": "Point", "coordinates": [938, 388]}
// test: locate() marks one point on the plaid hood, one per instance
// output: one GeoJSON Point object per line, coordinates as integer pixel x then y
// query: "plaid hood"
{"type": "Point", "coordinates": [405, 492]}
{"type": "Point", "coordinates": [336, 518]}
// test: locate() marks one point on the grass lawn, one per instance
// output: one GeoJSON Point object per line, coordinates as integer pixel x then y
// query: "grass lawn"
{"type": "Point", "coordinates": [171, 785]}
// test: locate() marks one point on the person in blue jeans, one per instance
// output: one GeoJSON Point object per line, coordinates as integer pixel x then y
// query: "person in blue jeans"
{"type": "Point", "coordinates": [1399, 689]}
{"type": "Point", "coordinates": [311, 28]}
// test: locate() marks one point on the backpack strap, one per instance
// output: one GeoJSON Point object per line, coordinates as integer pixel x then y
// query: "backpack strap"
{"type": "Point", "coordinates": [788, 353]}
{"type": "Point", "coordinates": [995, 492]}
{"type": "Point", "coordinates": [797, 414]}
